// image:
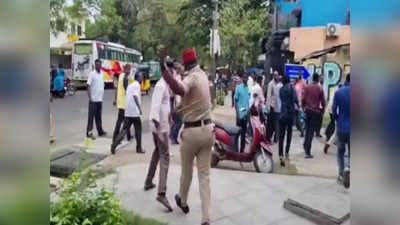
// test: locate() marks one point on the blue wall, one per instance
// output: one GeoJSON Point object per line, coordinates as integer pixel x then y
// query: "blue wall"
{"type": "Point", "coordinates": [318, 12]}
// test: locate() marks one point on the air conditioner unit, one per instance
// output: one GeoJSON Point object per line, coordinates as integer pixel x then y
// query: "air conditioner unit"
{"type": "Point", "coordinates": [332, 30]}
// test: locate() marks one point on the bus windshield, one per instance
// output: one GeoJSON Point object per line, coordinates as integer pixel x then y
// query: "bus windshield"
{"type": "Point", "coordinates": [83, 49]}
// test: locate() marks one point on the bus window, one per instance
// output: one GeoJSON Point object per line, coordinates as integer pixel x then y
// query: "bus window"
{"type": "Point", "coordinates": [113, 55]}
{"type": "Point", "coordinates": [102, 53]}
{"type": "Point", "coordinates": [83, 49]}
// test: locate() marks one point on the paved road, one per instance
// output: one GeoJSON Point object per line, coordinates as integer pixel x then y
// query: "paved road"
{"type": "Point", "coordinates": [70, 115]}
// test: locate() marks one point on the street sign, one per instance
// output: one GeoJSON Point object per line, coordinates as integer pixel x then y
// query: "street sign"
{"type": "Point", "coordinates": [293, 70]}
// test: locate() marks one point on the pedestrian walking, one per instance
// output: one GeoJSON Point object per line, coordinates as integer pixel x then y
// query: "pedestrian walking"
{"type": "Point", "coordinates": [312, 101]}
{"type": "Point", "coordinates": [177, 116]}
{"type": "Point", "coordinates": [321, 118]}
{"type": "Point", "coordinates": [273, 104]}
{"type": "Point", "coordinates": [124, 79]}
{"type": "Point", "coordinates": [95, 89]}
{"type": "Point", "coordinates": [235, 82]}
{"type": "Point", "coordinates": [51, 130]}
{"type": "Point", "coordinates": [331, 130]}
{"type": "Point", "coordinates": [197, 137]}
{"type": "Point", "coordinates": [159, 124]}
{"type": "Point", "coordinates": [289, 102]}
{"type": "Point", "coordinates": [299, 86]}
{"type": "Point", "coordinates": [257, 99]}
{"type": "Point", "coordinates": [242, 100]}
{"type": "Point", "coordinates": [341, 112]}
{"type": "Point", "coordinates": [133, 111]}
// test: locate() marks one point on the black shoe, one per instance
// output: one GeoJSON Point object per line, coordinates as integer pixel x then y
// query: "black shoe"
{"type": "Point", "coordinates": [164, 201]}
{"type": "Point", "coordinates": [326, 148]}
{"type": "Point", "coordinates": [282, 162]}
{"type": "Point", "coordinates": [113, 147]}
{"type": "Point", "coordinates": [179, 204]}
{"type": "Point", "coordinates": [149, 186]}
{"type": "Point", "coordinates": [90, 135]}
{"type": "Point", "coordinates": [103, 134]}
{"type": "Point", "coordinates": [206, 223]}
{"type": "Point", "coordinates": [301, 135]}
{"type": "Point", "coordinates": [346, 179]}
{"type": "Point", "coordinates": [140, 151]}
{"type": "Point", "coordinates": [318, 136]}
{"type": "Point", "coordinates": [309, 156]}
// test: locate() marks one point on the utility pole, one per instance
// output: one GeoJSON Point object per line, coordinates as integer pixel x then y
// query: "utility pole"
{"type": "Point", "coordinates": [214, 63]}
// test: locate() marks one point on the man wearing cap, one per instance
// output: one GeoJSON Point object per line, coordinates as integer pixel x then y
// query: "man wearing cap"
{"type": "Point", "coordinates": [198, 132]}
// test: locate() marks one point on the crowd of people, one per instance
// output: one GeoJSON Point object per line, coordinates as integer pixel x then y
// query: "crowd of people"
{"type": "Point", "coordinates": [181, 98]}
{"type": "Point", "coordinates": [289, 103]}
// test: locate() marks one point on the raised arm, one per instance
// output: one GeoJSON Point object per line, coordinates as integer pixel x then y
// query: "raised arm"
{"type": "Point", "coordinates": [176, 86]}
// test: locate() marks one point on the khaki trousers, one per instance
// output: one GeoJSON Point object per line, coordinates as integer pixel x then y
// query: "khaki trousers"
{"type": "Point", "coordinates": [160, 155]}
{"type": "Point", "coordinates": [51, 130]}
{"type": "Point", "coordinates": [197, 143]}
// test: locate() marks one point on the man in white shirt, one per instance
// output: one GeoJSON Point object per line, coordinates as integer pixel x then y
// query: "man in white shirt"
{"type": "Point", "coordinates": [95, 87]}
{"type": "Point", "coordinates": [273, 104]}
{"type": "Point", "coordinates": [257, 91]}
{"type": "Point", "coordinates": [159, 124]}
{"type": "Point", "coordinates": [133, 111]}
{"type": "Point", "coordinates": [250, 81]}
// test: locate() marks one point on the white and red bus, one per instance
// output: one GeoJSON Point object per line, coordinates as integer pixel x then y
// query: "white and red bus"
{"type": "Point", "coordinates": [114, 57]}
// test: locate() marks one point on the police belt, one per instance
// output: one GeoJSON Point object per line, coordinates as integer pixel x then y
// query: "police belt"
{"type": "Point", "coordinates": [197, 123]}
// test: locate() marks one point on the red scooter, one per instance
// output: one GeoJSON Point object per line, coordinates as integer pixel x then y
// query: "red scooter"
{"type": "Point", "coordinates": [227, 146]}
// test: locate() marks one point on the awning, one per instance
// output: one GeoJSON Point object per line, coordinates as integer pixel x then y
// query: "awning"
{"type": "Point", "coordinates": [319, 53]}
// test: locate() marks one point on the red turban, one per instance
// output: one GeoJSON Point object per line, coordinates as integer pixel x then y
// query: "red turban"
{"type": "Point", "coordinates": [189, 55]}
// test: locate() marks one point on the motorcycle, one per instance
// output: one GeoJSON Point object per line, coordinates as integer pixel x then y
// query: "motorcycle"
{"type": "Point", "coordinates": [257, 151]}
{"type": "Point", "coordinates": [69, 87]}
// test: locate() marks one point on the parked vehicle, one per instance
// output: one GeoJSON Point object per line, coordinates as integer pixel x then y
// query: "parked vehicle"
{"type": "Point", "coordinates": [69, 87]}
{"type": "Point", "coordinates": [258, 149]}
{"type": "Point", "coordinates": [153, 69]}
{"type": "Point", "coordinates": [114, 57]}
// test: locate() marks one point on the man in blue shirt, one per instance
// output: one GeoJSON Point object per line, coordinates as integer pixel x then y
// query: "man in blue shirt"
{"type": "Point", "coordinates": [341, 112]}
{"type": "Point", "coordinates": [242, 98]}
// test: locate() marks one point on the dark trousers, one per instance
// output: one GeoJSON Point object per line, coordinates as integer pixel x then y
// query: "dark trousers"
{"type": "Point", "coordinates": [233, 97]}
{"type": "Point", "coordinates": [160, 156]}
{"type": "Point", "coordinates": [118, 124]}
{"type": "Point", "coordinates": [297, 122]}
{"type": "Point", "coordinates": [285, 127]}
{"type": "Point", "coordinates": [343, 140]}
{"type": "Point", "coordinates": [95, 109]}
{"type": "Point", "coordinates": [312, 123]}
{"type": "Point", "coordinates": [176, 128]}
{"type": "Point", "coordinates": [273, 126]}
{"type": "Point", "coordinates": [243, 125]}
{"type": "Point", "coordinates": [137, 123]}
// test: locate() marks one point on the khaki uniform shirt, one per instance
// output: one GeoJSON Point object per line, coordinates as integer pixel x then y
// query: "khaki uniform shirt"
{"type": "Point", "coordinates": [196, 103]}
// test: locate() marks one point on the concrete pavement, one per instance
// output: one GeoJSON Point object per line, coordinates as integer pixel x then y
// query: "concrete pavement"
{"type": "Point", "coordinates": [238, 197]}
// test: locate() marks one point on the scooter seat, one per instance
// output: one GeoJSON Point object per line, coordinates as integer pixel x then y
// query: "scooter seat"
{"type": "Point", "coordinates": [231, 130]}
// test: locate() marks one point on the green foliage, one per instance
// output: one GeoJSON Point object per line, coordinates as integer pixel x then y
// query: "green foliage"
{"type": "Point", "coordinates": [242, 27]}
{"type": "Point", "coordinates": [82, 203]}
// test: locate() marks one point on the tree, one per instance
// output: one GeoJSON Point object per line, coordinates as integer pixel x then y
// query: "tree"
{"type": "Point", "coordinates": [242, 26]}
{"type": "Point", "coordinates": [57, 20]}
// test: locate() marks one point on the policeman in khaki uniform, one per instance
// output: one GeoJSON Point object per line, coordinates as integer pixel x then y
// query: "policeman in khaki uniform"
{"type": "Point", "coordinates": [198, 131]}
